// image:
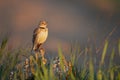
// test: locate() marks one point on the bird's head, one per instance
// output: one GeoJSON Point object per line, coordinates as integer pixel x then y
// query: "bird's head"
{"type": "Point", "coordinates": [43, 24]}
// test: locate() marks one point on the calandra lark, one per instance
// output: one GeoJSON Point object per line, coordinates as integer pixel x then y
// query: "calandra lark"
{"type": "Point", "coordinates": [39, 35]}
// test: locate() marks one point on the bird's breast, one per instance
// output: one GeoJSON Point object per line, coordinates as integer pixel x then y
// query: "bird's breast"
{"type": "Point", "coordinates": [42, 36]}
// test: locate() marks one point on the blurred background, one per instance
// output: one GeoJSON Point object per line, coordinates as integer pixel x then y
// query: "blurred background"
{"type": "Point", "coordinates": [69, 21]}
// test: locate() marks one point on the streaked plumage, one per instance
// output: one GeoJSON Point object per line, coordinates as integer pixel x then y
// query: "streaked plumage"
{"type": "Point", "coordinates": [40, 35]}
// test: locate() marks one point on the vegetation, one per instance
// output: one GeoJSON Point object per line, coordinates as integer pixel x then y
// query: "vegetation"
{"type": "Point", "coordinates": [33, 67]}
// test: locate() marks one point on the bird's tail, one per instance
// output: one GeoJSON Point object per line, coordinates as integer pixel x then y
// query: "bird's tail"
{"type": "Point", "coordinates": [33, 50]}
{"type": "Point", "coordinates": [36, 48]}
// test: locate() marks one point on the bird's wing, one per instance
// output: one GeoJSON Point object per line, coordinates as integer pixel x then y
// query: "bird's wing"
{"type": "Point", "coordinates": [35, 32]}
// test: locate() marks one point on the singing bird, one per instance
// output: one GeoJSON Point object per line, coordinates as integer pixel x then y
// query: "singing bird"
{"type": "Point", "coordinates": [40, 35]}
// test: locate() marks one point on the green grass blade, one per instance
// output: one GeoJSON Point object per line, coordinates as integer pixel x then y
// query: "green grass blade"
{"type": "Point", "coordinates": [104, 53]}
{"type": "Point", "coordinates": [99, 75]}
{"type": "Point", "coordinates": [119, 47]}
{"type": "Point", "coordinates": [91, 70]}
{"type": "Point", "coordinates": [3, 45]}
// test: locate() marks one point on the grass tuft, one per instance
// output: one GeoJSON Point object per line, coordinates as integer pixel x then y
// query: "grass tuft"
{"type": "Point", "coordinates": [36, 67]}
